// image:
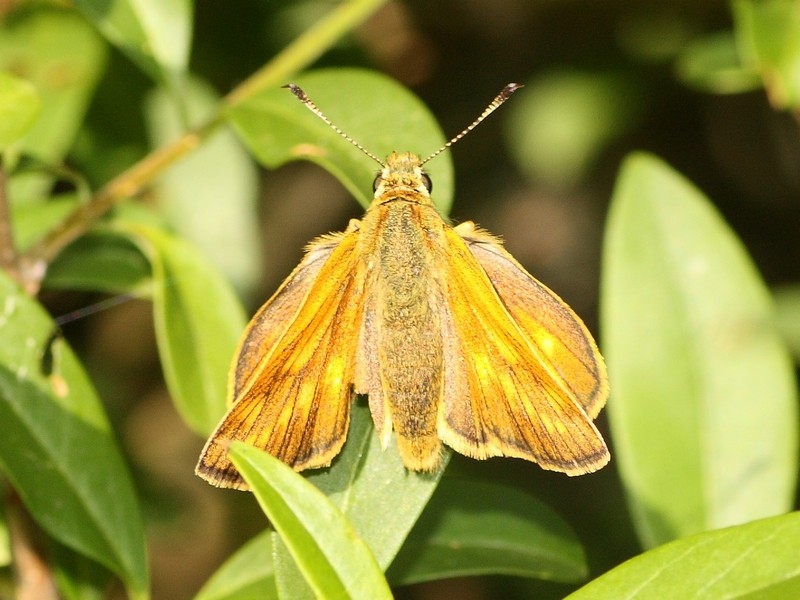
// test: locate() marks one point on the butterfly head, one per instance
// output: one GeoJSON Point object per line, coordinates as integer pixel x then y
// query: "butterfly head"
{"type": "Point", "coordinates": [402, 177]}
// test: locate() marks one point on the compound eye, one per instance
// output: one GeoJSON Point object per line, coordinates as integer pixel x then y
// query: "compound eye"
{"type": "Point", "coordinates": [426, 181]}
{"type": "Point", "coordinates": [376, 182]}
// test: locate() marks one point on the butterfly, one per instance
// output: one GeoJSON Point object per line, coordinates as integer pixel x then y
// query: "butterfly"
{"type": "Point", "coordinates": [452, 341]}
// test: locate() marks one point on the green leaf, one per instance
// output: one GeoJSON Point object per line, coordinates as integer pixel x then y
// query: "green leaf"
{"type": "Point", "coordinates": [77, 577]}
{"type": "Point", "coordinates": [57, 449]}
{"type": "Point", "coordinates": [246, 575]}
{"type": "Point", "coordinates": [102, 260]}
{"type": "Point", "coordinates": [155, 34]}
{"type": "Point", "coordinates": [787, 317]}
{"type": "Point", "coordinates": [703, 410]}
{"type": "Point", "coordinates": [62, 57]}
{"type": "Point", "coordinates": [374, 110]}
{"type": "Point", "coordinates": [19, 107]}
{"type": "Point", "coordinates": [713, 64]}
{"type": "Point", "coordinates": [768, 37]}
{"type": "Point", "coordinates": [198, 321]}
{"type": "Point", "coordinates": [756, 560]}
{"type": "Point", "coordinates": [335, 562]}
{"type": "Point", "coordinates": [209, 197]}
{"type": "Point", "coordinates": [365, 482]}
{"type": "Point", "coordinates": [476, 528]}
{"type": "Point", "coordinates": [32, 220]}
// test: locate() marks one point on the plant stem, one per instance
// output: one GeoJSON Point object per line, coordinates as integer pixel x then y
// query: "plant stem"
{"type": "Point", "coordinates": [303, 51]}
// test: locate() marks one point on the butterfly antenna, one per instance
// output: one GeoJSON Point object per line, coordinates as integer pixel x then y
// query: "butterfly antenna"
{"type": "Point", "coordinates": [301, 95]}
{"type": "Point", "coordinates": [504, 95]}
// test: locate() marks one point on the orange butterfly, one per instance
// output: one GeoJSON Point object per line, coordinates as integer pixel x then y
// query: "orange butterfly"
{"type": "Point", "coordinates": [449, 337]}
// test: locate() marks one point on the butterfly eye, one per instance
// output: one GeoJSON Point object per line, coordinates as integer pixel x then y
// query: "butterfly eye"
{"type": "Point", "coordinates": [426, 181]}
{"type": "Point", "coordinates": [376, 182]}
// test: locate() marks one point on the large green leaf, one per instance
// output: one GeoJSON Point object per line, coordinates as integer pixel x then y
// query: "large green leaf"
{"type": "Point", "coordinates": [19, 107]}
{"type": "Point", "coordinates": [102, 260]}
{"type": "Point", "coordinates": [156, 34]}
{"type": "Point", "coordinates": [57, 449]}
{"type": "Point", "coordinates": [753, 561]}
{"type": "Point", "coordinates": [768, 38]}
{"type": "Point", "coordinates": [334, 561]}
{"type": "Point", "coordinates": [703, 410]}
{"type": "Point", "coordinates": [373, 109]}
{"type": "Point", "coordinates": [209, 197]}
{"type": "Point", "coordinates": [477, 528]}
{"type": "Point", "coordinates": [198, 321]}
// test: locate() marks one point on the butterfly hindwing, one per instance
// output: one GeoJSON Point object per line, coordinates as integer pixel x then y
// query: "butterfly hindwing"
{"type": "Point", "coordinates": [551, 326]}
{"type": "Point", "coordinates": [510, 400]}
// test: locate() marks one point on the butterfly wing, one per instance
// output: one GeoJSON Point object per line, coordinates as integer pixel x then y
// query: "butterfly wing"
{"type": "Point", "coordinates": [293, 397]}
{"type": "Point", "coordinates": [265, 328]}
{"type": "Point", "coordinates": [503, 396]}
{"type": "Point", "coordinates": [551, 326]}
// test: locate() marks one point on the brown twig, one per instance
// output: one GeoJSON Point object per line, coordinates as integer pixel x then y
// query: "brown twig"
{"type": "Point", "coordinates": [34, 580]}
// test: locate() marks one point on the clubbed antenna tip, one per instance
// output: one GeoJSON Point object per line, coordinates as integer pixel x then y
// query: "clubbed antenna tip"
{"type": "Point", "coordinates": [504, 95]}
{"type": "Point", "coordinates": [301, 95]}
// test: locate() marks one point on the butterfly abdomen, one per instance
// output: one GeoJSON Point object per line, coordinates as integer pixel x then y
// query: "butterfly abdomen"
{"type": "Point", "coordinates": [409, 333]}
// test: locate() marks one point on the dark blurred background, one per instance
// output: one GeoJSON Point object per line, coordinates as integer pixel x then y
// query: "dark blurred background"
{"type": "Point", "coordinates": [602, 79]}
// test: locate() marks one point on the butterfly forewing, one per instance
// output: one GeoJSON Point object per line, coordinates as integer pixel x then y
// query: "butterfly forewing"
{"type": "Point", "coordinates": [276, 315]}
{"type": "Point", "coordinates": [296, 403]}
